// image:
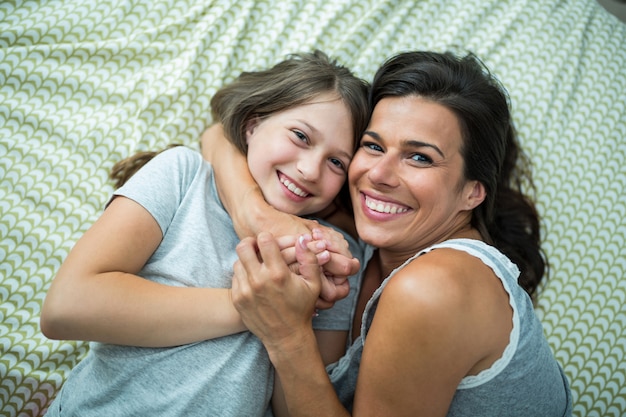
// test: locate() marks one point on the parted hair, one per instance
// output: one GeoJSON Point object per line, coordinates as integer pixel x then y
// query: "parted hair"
{"type": "Point", "coordinates": [298, 79]}
{"type": "Point", "coordinates": [507, 218]}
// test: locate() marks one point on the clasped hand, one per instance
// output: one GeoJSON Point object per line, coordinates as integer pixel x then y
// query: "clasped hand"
{"type": "Point", "coordinates": [274, 295]}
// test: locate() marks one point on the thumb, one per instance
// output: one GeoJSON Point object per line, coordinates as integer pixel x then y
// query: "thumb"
{"type": "Point", "coordinates": [310, 269]}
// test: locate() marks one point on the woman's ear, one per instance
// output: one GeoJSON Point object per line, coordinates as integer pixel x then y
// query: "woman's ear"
{"type": "Point", "coordinates": [475, 194]}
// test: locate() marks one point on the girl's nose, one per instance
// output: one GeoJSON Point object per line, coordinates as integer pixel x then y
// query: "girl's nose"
{"type": "Point", "coordinates": [309, 168]}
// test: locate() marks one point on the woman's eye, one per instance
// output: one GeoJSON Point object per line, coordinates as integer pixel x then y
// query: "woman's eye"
{"type": "Point", "coordinates": [372, 146]}
{"type": "Point", "coordinates": [422, 159]}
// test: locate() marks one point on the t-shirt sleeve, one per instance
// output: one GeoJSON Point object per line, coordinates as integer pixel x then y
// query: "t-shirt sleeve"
{"type": "Point", "coordinates": [161, 184]}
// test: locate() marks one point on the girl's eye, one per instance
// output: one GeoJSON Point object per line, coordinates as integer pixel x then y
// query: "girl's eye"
{"type": "Point", "coordinates": [301, 136]}
{"type": "Point", "coordinates": [338, 163]}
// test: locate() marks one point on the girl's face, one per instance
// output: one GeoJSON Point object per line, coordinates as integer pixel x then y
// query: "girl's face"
{"type": "Point", "coordinates": [300, 156]}
{"type": "Point", "coordinates": [406, 178]}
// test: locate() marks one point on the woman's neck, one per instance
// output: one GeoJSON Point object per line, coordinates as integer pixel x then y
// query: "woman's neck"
{"type": "Point", "coordinates": [391, 258]}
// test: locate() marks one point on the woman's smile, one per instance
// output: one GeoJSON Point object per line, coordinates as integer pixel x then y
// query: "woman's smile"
{"type": "Point", "coordinates": [411, 151]}
{"type": "Point", "coordinates": [377, 206]}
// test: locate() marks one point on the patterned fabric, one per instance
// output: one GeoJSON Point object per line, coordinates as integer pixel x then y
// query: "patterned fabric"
{"type": "Point", "coordinates": [85, 83]}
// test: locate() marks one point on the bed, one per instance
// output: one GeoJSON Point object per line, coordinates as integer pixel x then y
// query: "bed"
{"type": "Point", "coordinates": [84, 84]}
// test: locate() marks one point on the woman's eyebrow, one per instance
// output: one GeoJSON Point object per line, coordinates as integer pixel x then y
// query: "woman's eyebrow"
{"type": "Point", "coordinates": [373, 135]}
{"type": "Point", "coordinates": [408, 143]}
{"type": "Point", "coordinates": [420, 144]}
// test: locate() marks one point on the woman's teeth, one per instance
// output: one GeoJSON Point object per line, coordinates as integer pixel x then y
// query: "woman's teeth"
{"type": "Point", "coordinates": [292, 187]}
{"type": "Point", "coordinates": [381, 207]}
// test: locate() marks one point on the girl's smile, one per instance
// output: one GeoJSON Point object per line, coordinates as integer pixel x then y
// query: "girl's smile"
{"type": "Point", "coordinates": [299, 157]}
{"type": "Point", "coordinates": [293, 190]}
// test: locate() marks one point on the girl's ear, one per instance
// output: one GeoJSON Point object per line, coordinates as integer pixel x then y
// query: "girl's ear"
{"type": "Point", "coordinates": [475, 194]}
{"type": "Point", "coordinates": [251, 126]}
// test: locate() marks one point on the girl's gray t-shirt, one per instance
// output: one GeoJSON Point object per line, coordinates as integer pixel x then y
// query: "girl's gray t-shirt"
{"type": "Point", "coordinates": [227, 376]}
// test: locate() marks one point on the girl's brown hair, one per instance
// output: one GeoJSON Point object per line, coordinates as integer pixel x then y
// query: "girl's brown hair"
{"type": "Point", "coordinates": [296, 80]}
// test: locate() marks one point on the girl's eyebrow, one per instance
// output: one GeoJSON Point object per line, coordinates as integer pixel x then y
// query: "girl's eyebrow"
{"type": "Point", "coordinates": [315, 131]}
{"type": "Point", "coordinates": [308, 125]}
{"type": "Point", "coordinates": [410, 143]}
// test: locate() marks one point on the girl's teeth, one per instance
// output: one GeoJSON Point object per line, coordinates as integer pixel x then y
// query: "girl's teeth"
{"type": "Point", "coordinates": [384, 208]}
{"type": "Point", "coordinates": [292, 187]}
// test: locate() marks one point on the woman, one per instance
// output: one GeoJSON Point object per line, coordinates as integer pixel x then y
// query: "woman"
{"type": "Point", "coordinates": [444, 323]}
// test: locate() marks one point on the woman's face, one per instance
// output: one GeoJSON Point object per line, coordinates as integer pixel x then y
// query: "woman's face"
{"type": "Point", "coordinates": [300, 156]}
{"type": "Point", "coordinates": [406, 178]}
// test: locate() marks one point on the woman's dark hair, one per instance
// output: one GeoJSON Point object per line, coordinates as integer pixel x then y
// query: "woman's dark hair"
{"type": "Point", "coordinates": [298, 79]}
{"type": "Point", "coordinates": [507, 218]}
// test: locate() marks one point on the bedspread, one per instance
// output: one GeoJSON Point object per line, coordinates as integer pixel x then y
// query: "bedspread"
{"type": "Point", "coordinates": [86, 83]}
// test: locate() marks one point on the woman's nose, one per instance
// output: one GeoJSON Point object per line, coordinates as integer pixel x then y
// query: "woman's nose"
{"type": "Point", "coordinates": [382, 172]}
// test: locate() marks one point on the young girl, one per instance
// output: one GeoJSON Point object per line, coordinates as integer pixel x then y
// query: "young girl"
{"type": "Point", "coordinates": [149, 281]}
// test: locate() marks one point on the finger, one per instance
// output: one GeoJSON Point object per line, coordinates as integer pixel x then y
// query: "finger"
{"type": "Point", "coordinates": [309, 267]}
{"type": "Point", "coordinates": [247, 251]}
{"type": "Point", "coordinates": [335, 241]}
{"type": "Point", "coordinates": [334, 289]}
{"type": "Point", "coordinates": [286, 242]}
{"type": "Point", "coordinates": [341, 266]}
{"type": "Point", "coordinates": [304, 254]}
{"type": "Point", "coordinates": [321, 304]}
{"type": "Point", "coordinates": [323, 257]}
{"type": "Point", "coordinates": [342, 290]}
{"type": "Point", "coordinates": [270, 254]}
{"type": "Point", "coordinates": [240, 288]}
{"type": "Point", "coordinates": [317, 247]}
{"type": "Point", "coordinates": [289, 252]}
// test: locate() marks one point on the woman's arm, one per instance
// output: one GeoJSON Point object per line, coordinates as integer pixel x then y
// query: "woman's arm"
{"type": "Point", "coordinates": [244, 202]}
{"type": "Point", "coordinates": [331, 345]}
{"type": "Point", "coordinates": [251, 214]}
{"type": "Point", "coordinates": [97, 295]}
{"type": "Point", "coordinates": [276, 305]}
{"type": "Point", "coordinates": [422, 342]}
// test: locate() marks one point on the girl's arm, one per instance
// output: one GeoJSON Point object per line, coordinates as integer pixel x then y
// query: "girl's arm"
{"type": "Point", "coordinates": [97, 295]}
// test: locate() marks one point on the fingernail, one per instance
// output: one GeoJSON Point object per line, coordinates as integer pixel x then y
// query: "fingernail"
{"type": "Point", "coordinates": [303, 239]}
